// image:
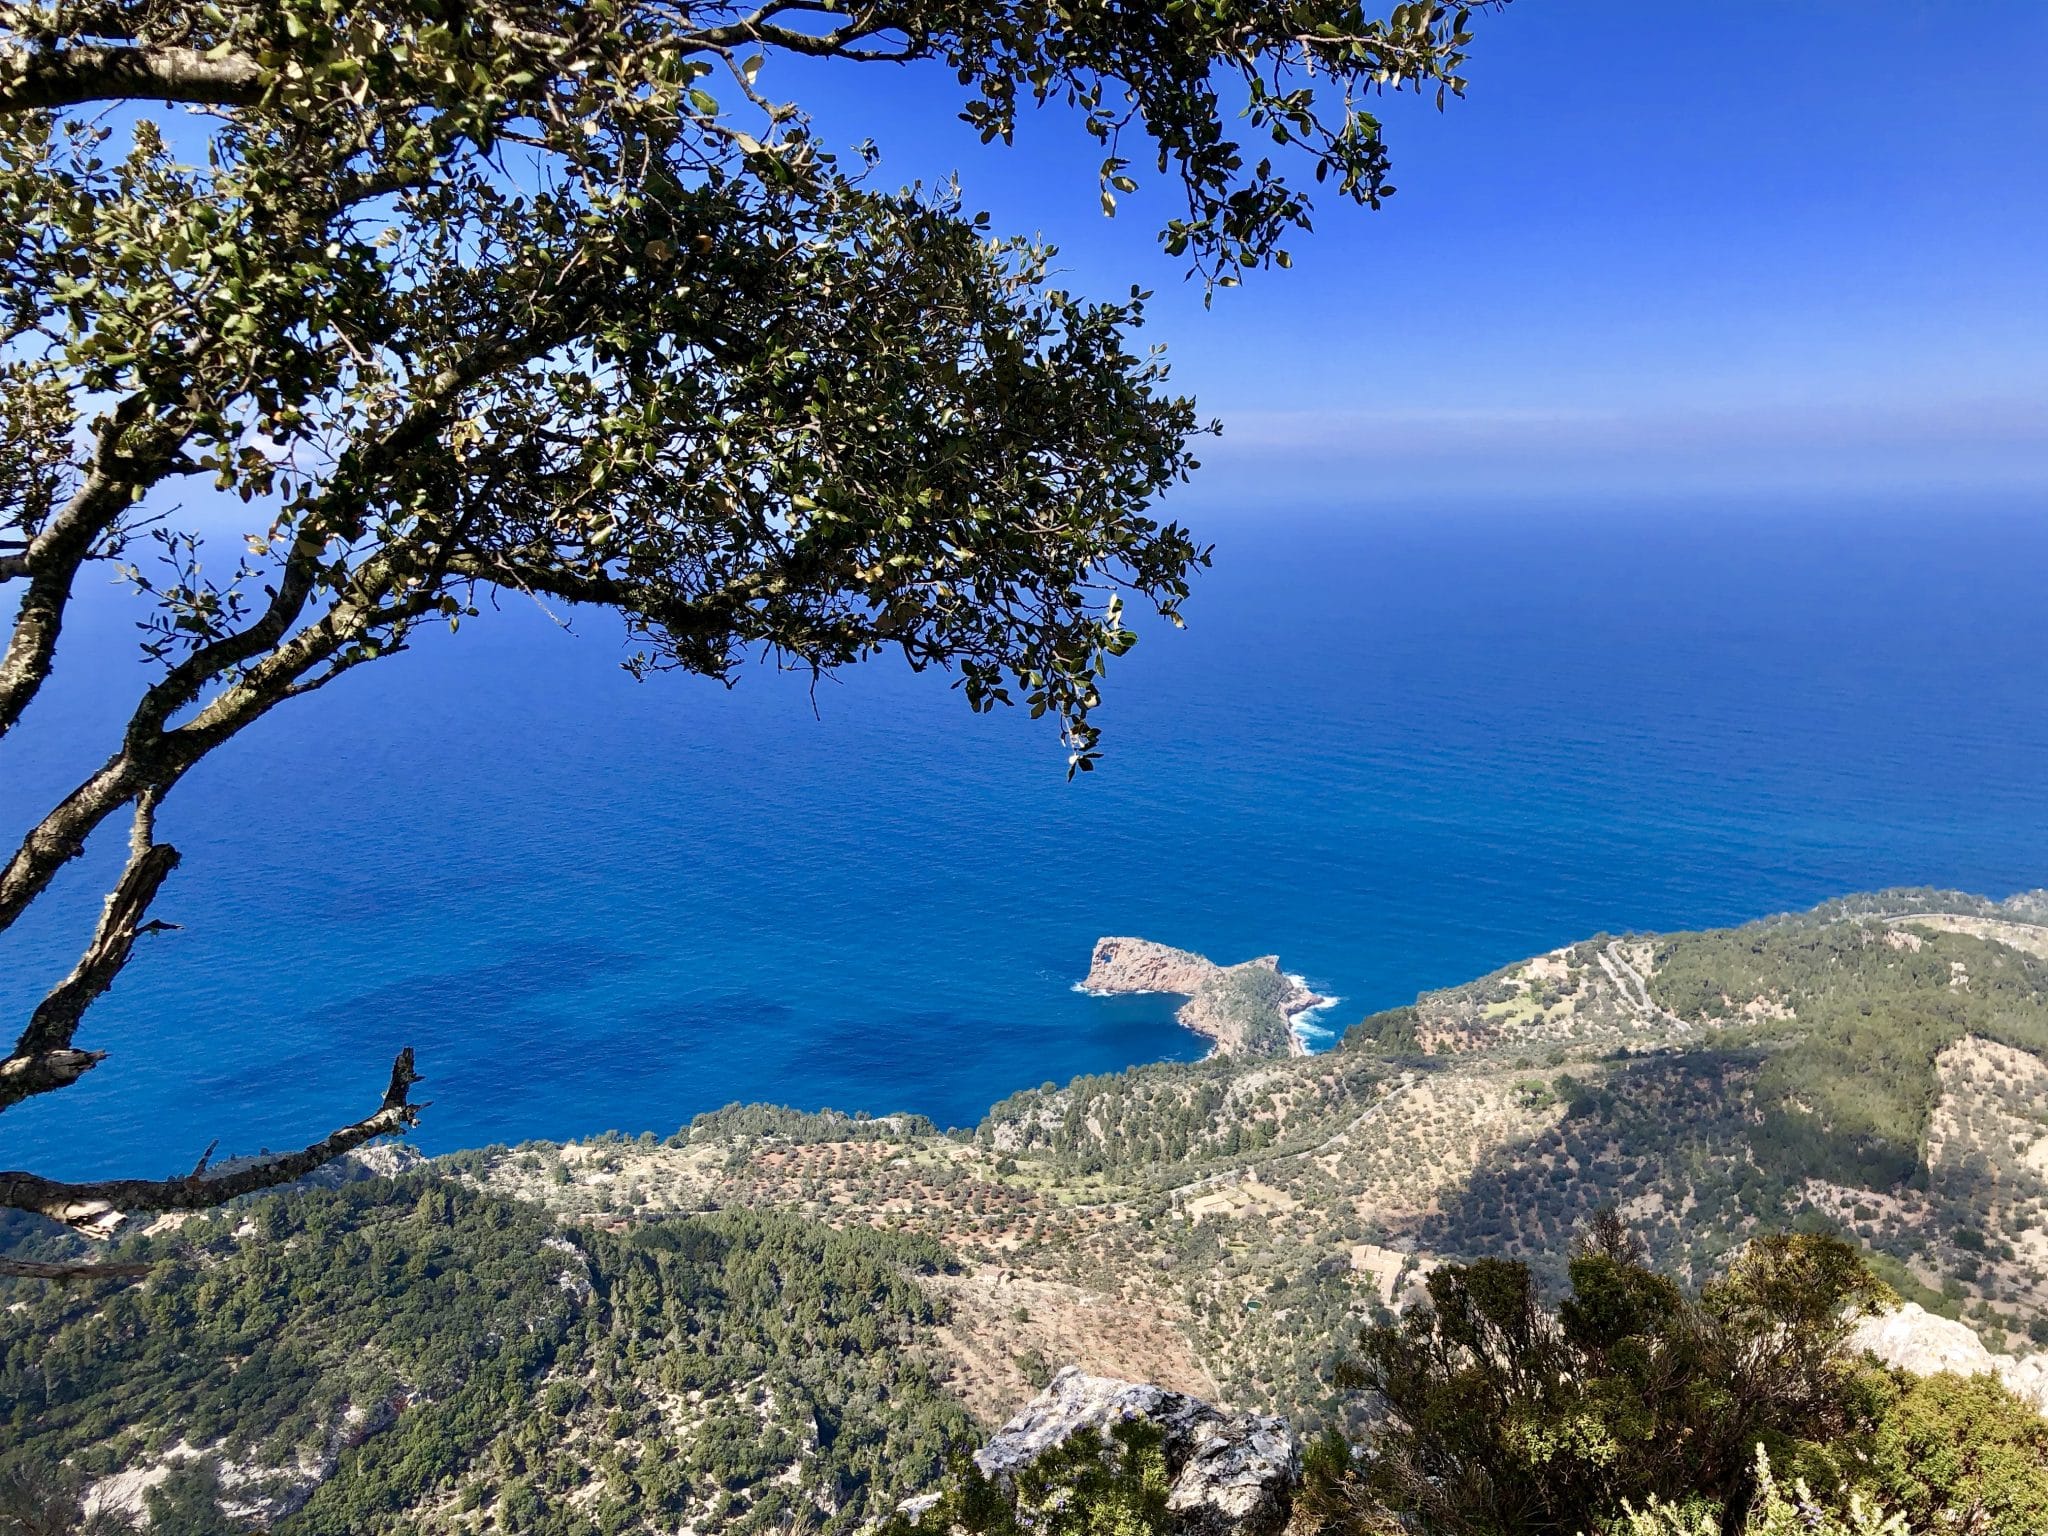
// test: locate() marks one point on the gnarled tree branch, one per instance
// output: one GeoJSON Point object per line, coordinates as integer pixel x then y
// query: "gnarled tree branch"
{"type": "Point", "coordinates": [43, 1058]}
{"type": "Point", "coordinates": [25, 1076]}
{"type": "Point", "coordinates": [52, 559]}
{"type": "Point", "coordinates": [61, 835]}
{"type": "Point", "coordinates": [98, 1208]}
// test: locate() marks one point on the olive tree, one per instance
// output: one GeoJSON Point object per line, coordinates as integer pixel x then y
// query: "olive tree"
{"type": "Point", "coordinates": [469, 296]}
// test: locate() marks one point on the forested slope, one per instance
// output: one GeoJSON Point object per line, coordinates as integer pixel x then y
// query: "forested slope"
{"type": "Point", "coordinates": [408, 1354]}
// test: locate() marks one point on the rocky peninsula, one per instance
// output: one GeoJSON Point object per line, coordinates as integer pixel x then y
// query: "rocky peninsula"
{"type": "Point", "coordinates": [1246, 1009]}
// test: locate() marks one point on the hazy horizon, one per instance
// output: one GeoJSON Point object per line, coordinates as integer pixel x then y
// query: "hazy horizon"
{"type": "Point", "coordinates": [1656, 248]}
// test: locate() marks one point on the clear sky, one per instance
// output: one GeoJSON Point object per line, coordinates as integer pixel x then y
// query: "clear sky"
{"type": "Point", "coordinates": [1662, 245]}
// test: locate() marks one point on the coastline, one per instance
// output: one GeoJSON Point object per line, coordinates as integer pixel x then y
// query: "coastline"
{"type": "Point", "coordinates": [1073, 1210]}
{"type": "Point", "coordinates": [1252, 1008]}
{"type": "Point", "coordinates": [1306, 1022]}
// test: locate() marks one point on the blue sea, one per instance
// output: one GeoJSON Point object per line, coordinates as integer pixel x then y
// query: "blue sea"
{"type": "Point", "coordinates": [1398, 748]}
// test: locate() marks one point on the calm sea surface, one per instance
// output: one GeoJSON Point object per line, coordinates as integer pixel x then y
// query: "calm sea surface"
{"type": "Point", "coordinates": [1397, 749]}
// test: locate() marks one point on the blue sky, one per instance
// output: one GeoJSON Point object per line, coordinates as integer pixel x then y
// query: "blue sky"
{"type": "Point", "coordinates": [1660, 246]}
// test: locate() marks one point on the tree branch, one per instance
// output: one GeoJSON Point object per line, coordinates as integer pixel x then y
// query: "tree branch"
{"type": "Point", "coordinates": [40, 79]}
{"type": "Point", "coordinates": [184, 682]}
{"type": "Point", "coordinates": [61, 835]}
{"type": "Point", "coordinates": [97, 1208]}
{"type": "Point", "coordinates": [152, 759]}
{"type": "Point", "coordinates": [53, 557]}
{"type": "Point", "coordinates": [42, 1058]}
{"type": "Point", "coordinates": [23, 1077]}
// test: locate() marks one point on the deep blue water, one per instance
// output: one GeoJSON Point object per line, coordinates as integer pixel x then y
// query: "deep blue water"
{"type": "Point", "coordinates": [1398, 749]}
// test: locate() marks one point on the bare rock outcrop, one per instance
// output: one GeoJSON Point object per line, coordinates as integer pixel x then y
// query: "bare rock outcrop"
{"type": "Point", "coordinates": [1139, 965]}
{"type": "Point", "coordinates": [1910, 1338]}
{"type": "Point", "coordinates": [252, 1493]}
{"type": "Point", "coordinates": [1247, 1009]}
{"type": "Point", "coordinates": [379, 1160]}
{"type": "Point", "coordinates": [1233, 1474]}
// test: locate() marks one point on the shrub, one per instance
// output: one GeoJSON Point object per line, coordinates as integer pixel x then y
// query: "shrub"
{"type": "Point", "coordinates": [1774, 1512]}
{"type": "Point", "coordinates": [1111, 1485]}
{"type": "Point", "coordinates": [1497, 1416]}
{"type": "Point", "coordinates": [1956, 1453]}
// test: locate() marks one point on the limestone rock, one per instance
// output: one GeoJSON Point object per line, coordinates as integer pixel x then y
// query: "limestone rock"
{"type": "Point", "coordinates": [1233, 1474]}
{"type": "Point", "coordinates": [1239, 1477]}
{"type": "Point", "coordinates": [574, 1278]}
{"type": "Point", "coordinates": [1139, 965]}
{"type": "Point", "coordinates": [386, 1159]}
{"type": "Point", "coordinates": [2027, 1377]}
{"type": "Point", "coordinates": [1910, 1338]}
{"type": "Point", "coordinates": [918, 1505]}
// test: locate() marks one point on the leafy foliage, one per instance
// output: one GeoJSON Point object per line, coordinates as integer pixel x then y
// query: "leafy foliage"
{"type": "Point", "coordinates": [1495, 1415]}
{"type": "Point", "coordinates": [1959, 1453]}
{"type": "Point", "coordinates": [695, 372]}
{"type": "Point", "coordinates": [1946, 1453]}
{"type": "Point", "coordinates": [1775, 1511]}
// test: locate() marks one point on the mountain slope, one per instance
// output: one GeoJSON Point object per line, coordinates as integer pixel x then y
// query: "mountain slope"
{"type": "Point", "coordinates": [773, 1310]}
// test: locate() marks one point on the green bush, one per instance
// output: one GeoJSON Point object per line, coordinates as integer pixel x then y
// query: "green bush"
{"type": "Point", "coordinates": [1776, 1511]}
{"type": "Point", "coordinates": [1495, 1415]}
{"type": "Point", "coordinates": [1956, 1453]}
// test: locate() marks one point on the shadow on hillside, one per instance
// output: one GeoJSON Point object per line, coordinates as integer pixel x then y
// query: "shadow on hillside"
{"type": "Point", "coordinates": [1667, 1138]}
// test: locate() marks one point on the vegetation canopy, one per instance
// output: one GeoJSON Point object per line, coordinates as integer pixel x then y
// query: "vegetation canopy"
{"type": "Point", "coordinates": [1497, 1415]}
{"type": "Point", "coordinates": [564, 301]}
{"type": "Point", "coordinates": [1632, 1407]}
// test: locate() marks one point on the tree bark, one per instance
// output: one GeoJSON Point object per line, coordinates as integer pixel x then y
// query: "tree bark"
{"type": "Point", "coordinates": [56, 1017]}
{"type": "Point", "coordinates": [41, 79]}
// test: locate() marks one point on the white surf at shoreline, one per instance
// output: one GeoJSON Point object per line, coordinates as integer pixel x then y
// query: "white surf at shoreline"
{"type": "Point", "coordinates": [1303, 1025]}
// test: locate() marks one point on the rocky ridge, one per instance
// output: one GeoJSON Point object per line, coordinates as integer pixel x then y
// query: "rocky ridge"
{"type": "Point", "coordinates": [1248, 1009]}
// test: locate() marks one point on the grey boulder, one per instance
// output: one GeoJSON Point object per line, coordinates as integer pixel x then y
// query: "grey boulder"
{"type": "Point", "coordinates": [1233, 1474]}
